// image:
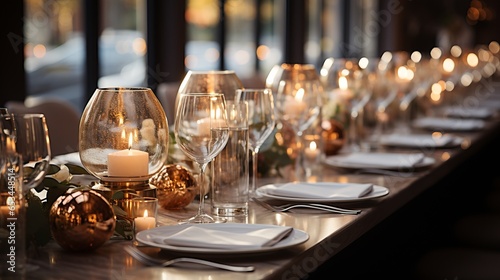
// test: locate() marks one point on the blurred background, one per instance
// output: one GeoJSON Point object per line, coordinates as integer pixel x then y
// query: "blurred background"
{"type": "Point", "coordinates": [64, 49]}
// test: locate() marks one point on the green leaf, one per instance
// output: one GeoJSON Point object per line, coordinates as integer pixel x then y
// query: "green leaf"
{"type": "Point", "coordinates": [76, 169]}
{"type": "Point", "coordinates": [37, 228]}
{"type": "Point", "coordinates": [54, 193]}
{"type": "Point", "coordinates": [53, 169]}
{"type": "Point", "coordinates": [51, 182]}
{"type": "Point", "coordinates": [124, 228]}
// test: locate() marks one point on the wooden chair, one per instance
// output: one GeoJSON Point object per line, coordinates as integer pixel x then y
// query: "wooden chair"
{"type": "Point", "coordinates": [63, 121]}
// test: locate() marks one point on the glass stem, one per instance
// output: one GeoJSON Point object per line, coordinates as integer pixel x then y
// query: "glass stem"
{"type": "Point", "coordinates": [299, 161]}
{"type": "Point", "coordinates": [201, 182]}
{"type": "Point", "coordinates": [255, 152]}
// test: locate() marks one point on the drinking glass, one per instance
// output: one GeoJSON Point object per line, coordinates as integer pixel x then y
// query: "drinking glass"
{"type": "Point", "coordinates": [298, 102]}
{"type": "Point", "coordinates": [28, 136]}
{"type": "Point", "coordinates": [201, 131]}
{"type": "Point", "coordinates": [261, 121]}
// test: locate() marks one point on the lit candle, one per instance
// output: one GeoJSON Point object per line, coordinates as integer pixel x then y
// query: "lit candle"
{"type": "Point", "coordinates": [128, 162]}
{"type": "Point", "coordinates": [294, 106]}
{"type": "Point", "coordinates": [144, 223]}
{"type": "Point", "coordinates": [206, 124]}
{"type": "Point", "coordinates": [342, 92]}
{"type": "Point", "coordinates": [312, 151]}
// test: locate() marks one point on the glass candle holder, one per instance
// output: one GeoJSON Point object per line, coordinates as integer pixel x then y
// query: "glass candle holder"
{"type": "Point", "coordinates": [123, 138]}
{"type": "Point", "coordinates": [144, 213]}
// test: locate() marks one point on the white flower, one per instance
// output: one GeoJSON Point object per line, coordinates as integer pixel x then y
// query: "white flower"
{"type": "Point", "coordinates": [63, 174]}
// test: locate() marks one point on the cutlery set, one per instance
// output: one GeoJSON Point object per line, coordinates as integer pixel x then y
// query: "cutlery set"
{"type": "Point", "coordinates": [316, 206]}
{"type": "Point", "coordinates": [151, 261]}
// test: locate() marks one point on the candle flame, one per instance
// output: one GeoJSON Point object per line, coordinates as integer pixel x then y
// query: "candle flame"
{"type": "Point", "coordinates": [300, 94]}
{"type": "Point", "coordinates": [343, 83]}
{"type": "Point", "coordinates": [313, 146]}
{"type": "Point", "coordinates": [130, 140]}
{"type": "Point", "coordinates": [145, 213]}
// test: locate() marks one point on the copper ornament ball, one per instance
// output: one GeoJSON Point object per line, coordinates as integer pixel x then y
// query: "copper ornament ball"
{"type": "Point", "coordinates": [333, 136]}
{"type": "Point", "coordinates": [176, 187]}
{"type": "Point", "coordinates": [81, 220]}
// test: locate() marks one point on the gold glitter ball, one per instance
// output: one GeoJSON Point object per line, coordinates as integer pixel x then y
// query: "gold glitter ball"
{"type": "Point", "coordinates": [176, 187]}
{"type": "Point", "coordinates": [81, 220]}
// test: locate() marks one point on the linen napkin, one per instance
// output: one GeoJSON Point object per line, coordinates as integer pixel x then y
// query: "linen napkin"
{"type": "Point", "coordinates": [449, 124]}
{"type": "Point", "coordinates": [226, 237]}
{"type": "Point", "coordinates": [321, 190]}
{"type": "Point", "coordinates": [72, 158]}
{"type": "Point", "coordinates": [416, 140]}
{"type": "Point", "coordinates": [377, 160]}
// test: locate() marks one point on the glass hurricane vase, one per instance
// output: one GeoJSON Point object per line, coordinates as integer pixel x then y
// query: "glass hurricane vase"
{"type": "Point", "coordinates": [123, 137]}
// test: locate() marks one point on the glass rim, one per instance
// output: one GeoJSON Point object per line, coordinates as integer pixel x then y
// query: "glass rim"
{"type": "Point", "coordinates": [202, 93]}
{"type": "Point", "coordinates": [204, 72]}
{"type": "Point", "coordinates": [123, 89]}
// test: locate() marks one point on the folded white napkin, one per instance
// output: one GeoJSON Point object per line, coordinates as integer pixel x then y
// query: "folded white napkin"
{"type": "Point", "coordinates": [416, 140]}
{"type": "Point", "coordinates": [71, 158]}
{"type": "Point", "coordinates": [378, 160]}
{"type": "Point", "coordinates": [480, 113]}
{"type": "Point", "coordinates": [449, 123]}
{"type": "Point", "coordinates": [226, 237]}
{"type": "Point", "coordinates": [320, 190]}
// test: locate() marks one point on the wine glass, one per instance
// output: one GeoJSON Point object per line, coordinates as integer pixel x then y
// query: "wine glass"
{"type": "Point", "coordinates": [298, 102]}
{"type": "Point", "coordinates": [201, 131]}
{"type": "Point", "coordinates": [261, 121]}
{"type": "Point", "coordinates": [28, 136]}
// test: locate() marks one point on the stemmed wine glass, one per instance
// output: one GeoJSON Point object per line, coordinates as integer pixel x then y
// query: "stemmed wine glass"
{"type": "Point", "coordinates": [28, 136]}
{"type": "Point", "coordinates": [201, 131]}
{"type": "Point", "coordinates": [261, 121]}
{"type": "Point", "coordinates": [298, 102]}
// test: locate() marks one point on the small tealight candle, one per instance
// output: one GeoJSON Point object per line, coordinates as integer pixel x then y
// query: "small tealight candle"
{"type": "Point", "coordinates": [311, 153]}
{"type": "Point", "coordinates": [294, 106]}
{"type": "Point", "coordinates": [144, 211]}
{"type": "Point", "coordinates": [145, 222]}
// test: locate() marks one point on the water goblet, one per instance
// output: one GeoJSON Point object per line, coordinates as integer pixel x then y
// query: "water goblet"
{"type": "Point", "coordinates": [201, 131]}
{"type": "Point", "coordinates": [261, 120]}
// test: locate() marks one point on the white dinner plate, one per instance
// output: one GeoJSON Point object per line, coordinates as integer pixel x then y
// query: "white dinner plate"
{"type": "Point", "coordinates": [419, 141]}
{"type": "Point", "coordinates": [378, 191]}
{"type": "Point", "coordinates": [449, 124]}
{"type": "Point", "coordinates": [296, 237]}
{"type": "Point", "coordinates": [336, 161]}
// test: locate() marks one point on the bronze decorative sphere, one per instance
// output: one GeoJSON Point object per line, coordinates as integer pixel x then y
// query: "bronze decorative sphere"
{"type": "Point", "coordinates": [81, 220]}
{"type": "Point", "coordinates": [176, 186]}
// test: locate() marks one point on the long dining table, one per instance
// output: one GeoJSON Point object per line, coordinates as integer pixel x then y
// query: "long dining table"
{"type": "Point", "coordinates": [337, 243]}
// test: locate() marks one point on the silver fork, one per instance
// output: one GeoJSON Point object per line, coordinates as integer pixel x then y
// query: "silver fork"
{"type": "Point", "coordinates": [148, 260]}
{"type": "Point", "coordinates": [322, 207]}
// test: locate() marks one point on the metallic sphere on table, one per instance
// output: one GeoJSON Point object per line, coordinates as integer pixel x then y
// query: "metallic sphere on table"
{"type": "Point", "coordinates": [176, 186]}
{"type": "Point", "coordinates": [81, 220]}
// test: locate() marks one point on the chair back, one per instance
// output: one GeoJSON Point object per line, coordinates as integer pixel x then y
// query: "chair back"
{"type": "Point", "coordinates": [63, 122]}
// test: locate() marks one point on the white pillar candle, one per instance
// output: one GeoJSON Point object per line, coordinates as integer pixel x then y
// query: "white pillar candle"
{"type": "Point", "coordinates": [144, 223]}
{"type": "Point", "coordinates": [206, 124]}
{"type": "Point", "coordinates": [128, 163]}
